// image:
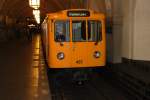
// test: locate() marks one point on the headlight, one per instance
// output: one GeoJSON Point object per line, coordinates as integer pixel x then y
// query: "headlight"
{"type": "Point", "coordinates": [60, 56]}
{"type": "Point", "coordinates": [97, 54]}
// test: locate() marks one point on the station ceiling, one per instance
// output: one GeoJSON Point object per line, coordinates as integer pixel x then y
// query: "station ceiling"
{"type": "Point", "coordinates": [15, 8]}
{"type": "Point", "coordinates": [20, 8]}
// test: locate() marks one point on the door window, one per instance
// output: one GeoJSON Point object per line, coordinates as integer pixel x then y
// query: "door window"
{"type": "Point", "coordinates": [79, 31]}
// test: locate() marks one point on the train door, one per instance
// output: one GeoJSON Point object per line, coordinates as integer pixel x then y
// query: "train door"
{"type": "Point", "coordinates": [79, 39]}
{"type": "Point", "coordinates": [86, 36]}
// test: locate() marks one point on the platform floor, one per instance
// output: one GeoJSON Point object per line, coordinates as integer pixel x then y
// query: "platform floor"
{"type": "Point", "coordinates": [22, 74]}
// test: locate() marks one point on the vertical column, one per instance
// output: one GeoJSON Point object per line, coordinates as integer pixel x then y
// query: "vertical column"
{"type": "Point", "coordinates": [128, 31]}
{"type": "Point", "coordinates": [117, 30]}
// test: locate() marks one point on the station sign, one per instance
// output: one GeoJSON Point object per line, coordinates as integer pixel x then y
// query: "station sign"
{"type": "Point", "coordinates": [82, 13]}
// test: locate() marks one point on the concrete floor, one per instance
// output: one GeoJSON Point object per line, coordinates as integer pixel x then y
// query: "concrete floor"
{"type": "Point", "coordinates": [22, 74]}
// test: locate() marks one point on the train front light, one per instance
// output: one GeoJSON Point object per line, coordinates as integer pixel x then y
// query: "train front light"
{"type": "Point", "coordinates": [60, 56]}
{"type": "Point", "coordinates": [97, 54]}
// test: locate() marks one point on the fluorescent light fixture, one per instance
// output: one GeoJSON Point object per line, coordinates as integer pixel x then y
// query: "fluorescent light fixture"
{"type": "Point", "coordinates": [34, 3]}
{"type": "Point", "coordinates": [36, 14]}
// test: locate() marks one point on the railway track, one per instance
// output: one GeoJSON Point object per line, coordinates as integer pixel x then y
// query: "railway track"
{"type": "Point", "coordinates": [98, 88]}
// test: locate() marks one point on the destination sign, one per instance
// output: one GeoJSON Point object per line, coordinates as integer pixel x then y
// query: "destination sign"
{"type": "Point", "coordinates": [78, 13]}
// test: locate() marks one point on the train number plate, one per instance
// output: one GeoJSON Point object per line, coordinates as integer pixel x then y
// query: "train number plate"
{"type": "Point", "coordinates": [79, 61]}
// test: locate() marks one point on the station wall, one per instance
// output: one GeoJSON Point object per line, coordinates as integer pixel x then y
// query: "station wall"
{"type": "Point", "coordinates": [7, 28]}
{"type": "Point", "coordinates": [97, 5]}
{"type": "Point", "coordinates": [142, 30]}
{"type": "Point", "coordinates": [136, 30]}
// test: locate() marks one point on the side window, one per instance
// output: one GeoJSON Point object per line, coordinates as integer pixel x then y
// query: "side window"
{"type": "Point", "coordinates": [94, 31]}
{"type": "Point", "coordinates": [79, 31]}
{"type": "Point", "coordinates": [62, 33]}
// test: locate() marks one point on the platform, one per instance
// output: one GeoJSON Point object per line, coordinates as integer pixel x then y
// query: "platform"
{"type": "Point", "coordinates": [23, 74]}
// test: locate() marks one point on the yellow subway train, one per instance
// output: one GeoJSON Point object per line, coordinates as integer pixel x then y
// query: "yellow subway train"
{"type": "Point", "coordinates": [74, 38]}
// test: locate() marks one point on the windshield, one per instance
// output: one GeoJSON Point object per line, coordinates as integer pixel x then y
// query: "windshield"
{"type": "Point", "coordinates": [82, 31]}
{"type": "Point", "coordinates": [62, 31]}
{"type": "Point", "coordinates": [94, 31]}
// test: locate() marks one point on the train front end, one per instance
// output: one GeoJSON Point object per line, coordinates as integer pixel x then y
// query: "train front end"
{"type": "Point", "coordinates": [77, 40]}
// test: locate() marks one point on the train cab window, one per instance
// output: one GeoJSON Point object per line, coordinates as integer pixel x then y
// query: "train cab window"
{"type": "Point", "coordinates": [62, 33]}
{"type": "Point", "coordinates": [79, 31]}
{"type": "Point", "coordinates": [94, 31]}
